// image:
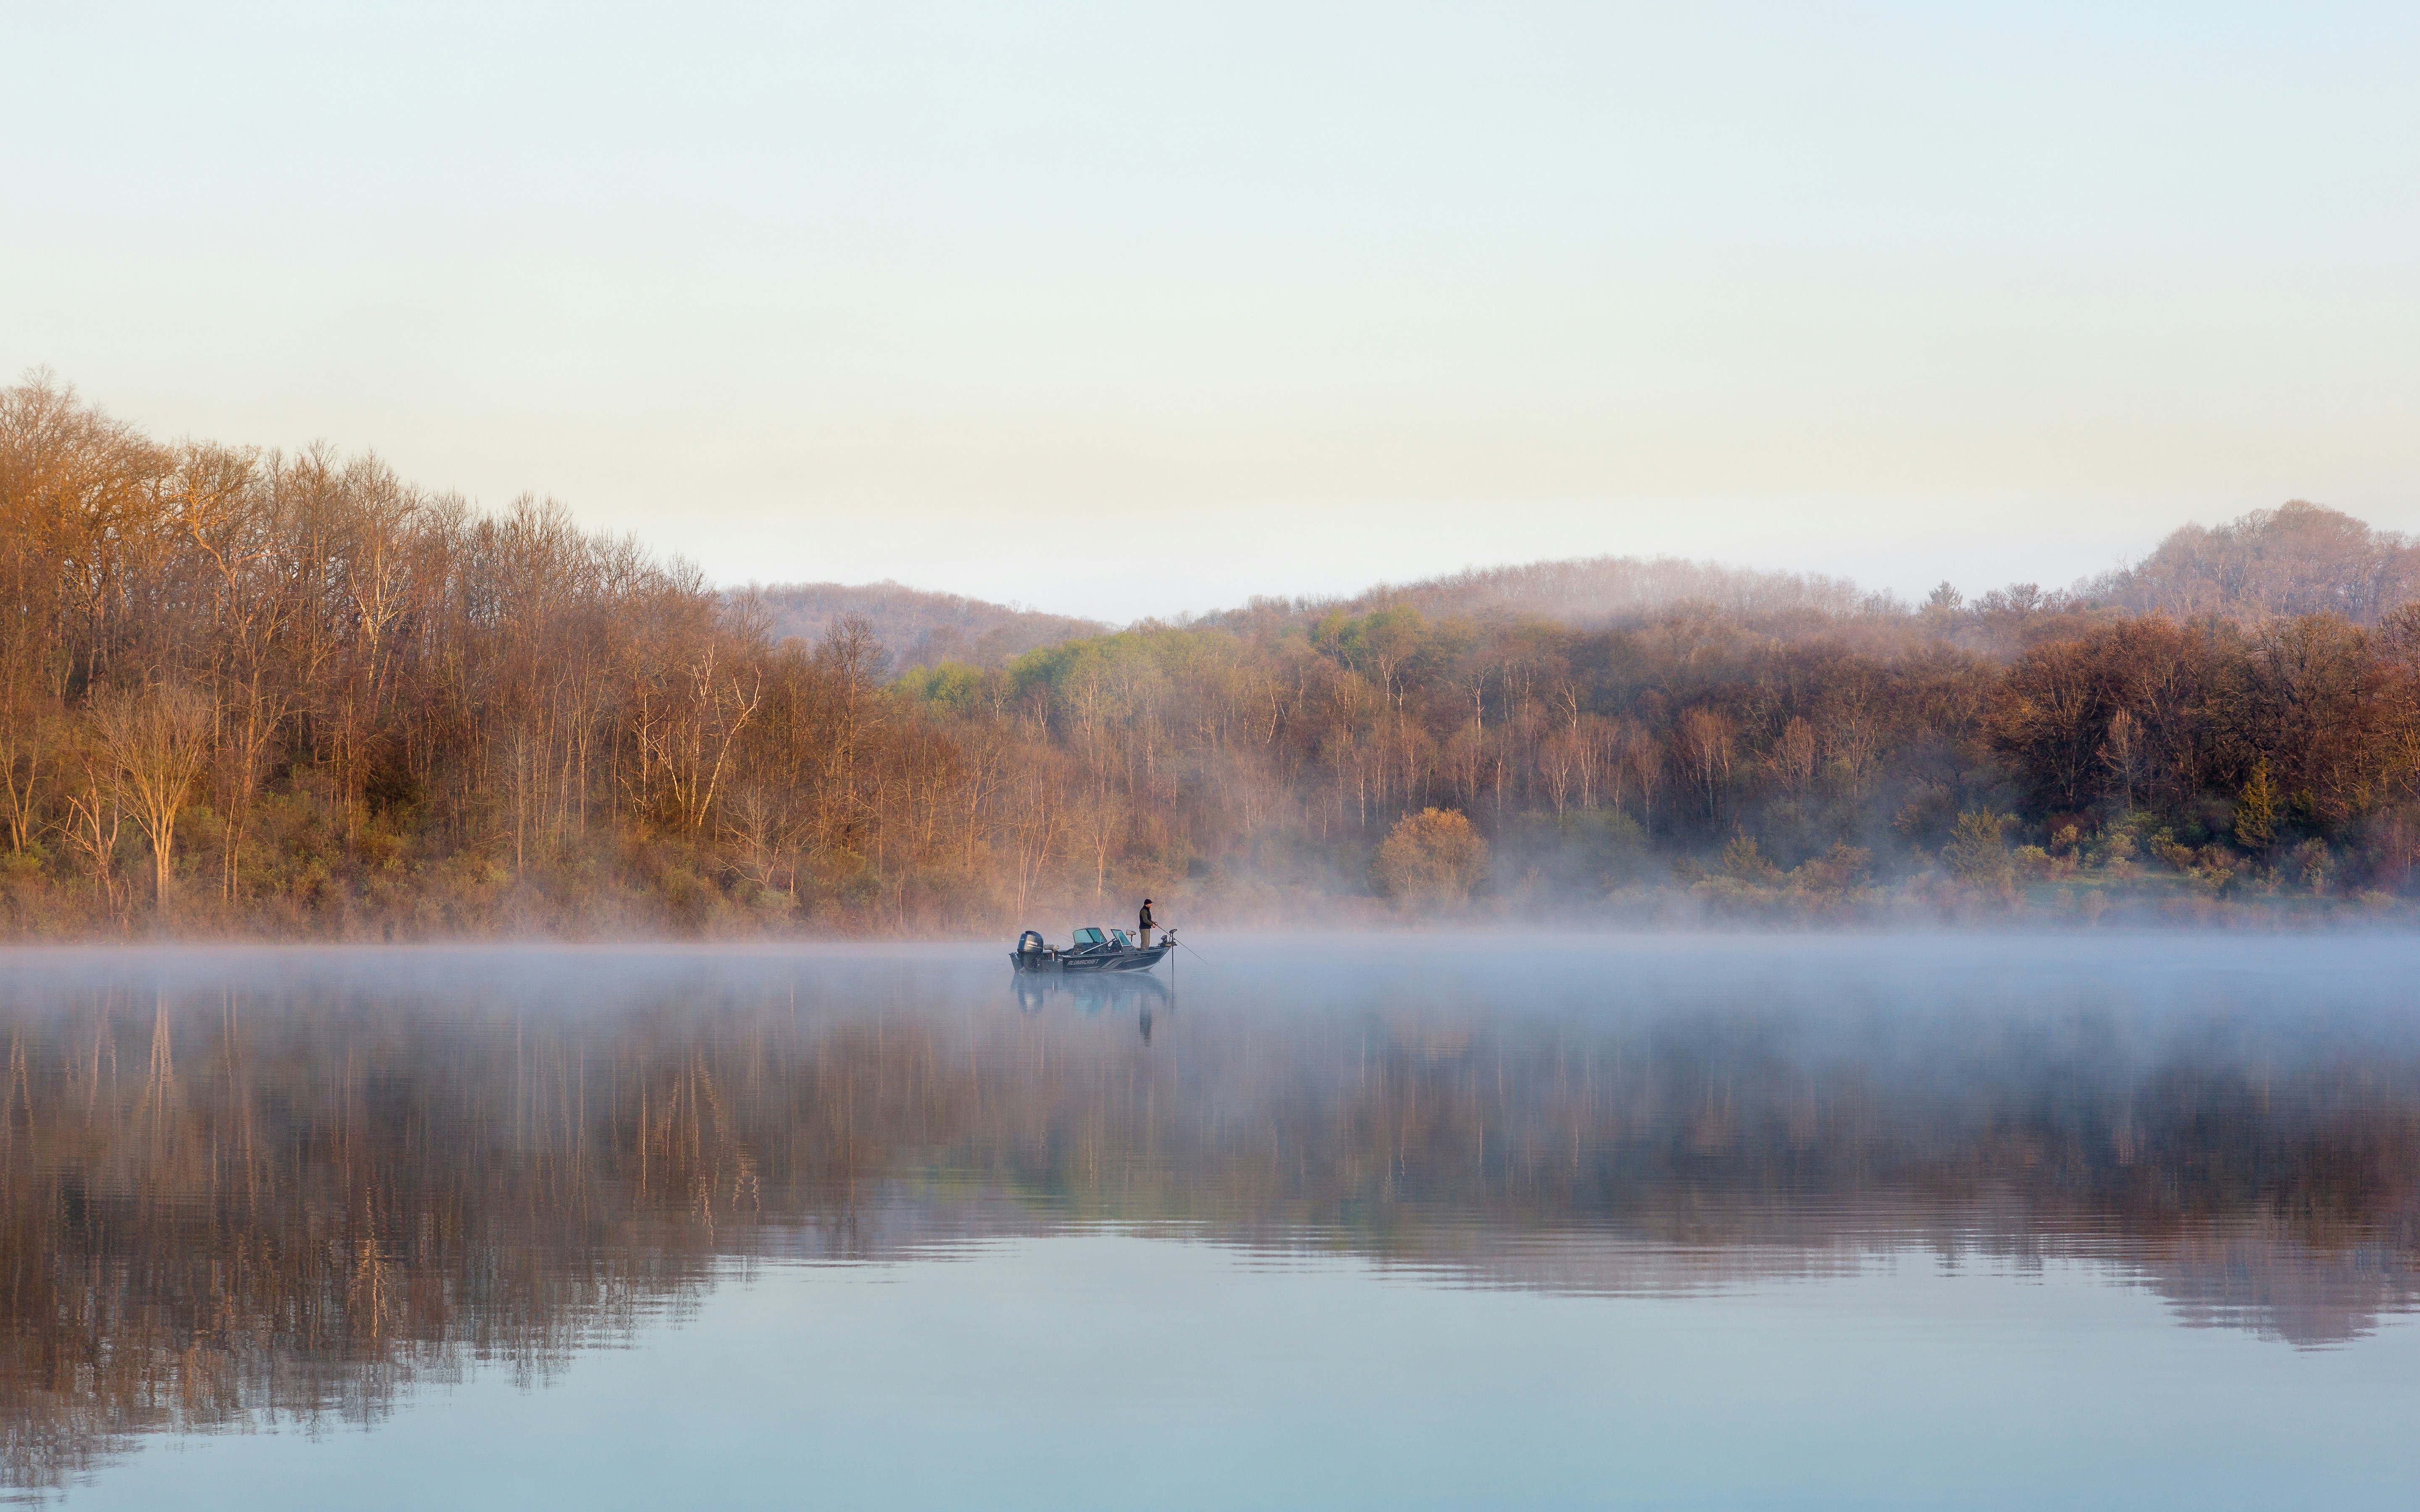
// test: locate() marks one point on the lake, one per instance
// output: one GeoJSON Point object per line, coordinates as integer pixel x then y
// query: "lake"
{"type": "Point", "coordinates": [1361, 1221]}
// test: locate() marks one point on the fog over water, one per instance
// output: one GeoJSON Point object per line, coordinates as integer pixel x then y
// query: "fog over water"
{"type": "Point", "coordinates": [868, 1193]}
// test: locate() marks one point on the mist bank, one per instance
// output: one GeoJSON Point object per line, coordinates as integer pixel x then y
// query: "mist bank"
{"type": "Point", "coordinates": [248, 1187]}
{"type": "Point", "coordinates": [250, 693]}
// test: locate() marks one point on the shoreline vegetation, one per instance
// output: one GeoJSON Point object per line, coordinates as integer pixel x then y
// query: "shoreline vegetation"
{"type": "Point", "coordinates": [255, 695]}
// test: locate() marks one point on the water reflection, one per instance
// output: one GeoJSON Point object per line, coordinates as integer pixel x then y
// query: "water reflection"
{"type": "Point", "coordinates": [1130, 993]}
{"type": "Point", "coordinates": [235, 1184]}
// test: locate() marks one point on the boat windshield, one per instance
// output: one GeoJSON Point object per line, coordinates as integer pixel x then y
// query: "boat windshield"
{"type": "Point", "coordinates": [1120, 935]}
{"type": "Point", "coordinates": [1089, 937]}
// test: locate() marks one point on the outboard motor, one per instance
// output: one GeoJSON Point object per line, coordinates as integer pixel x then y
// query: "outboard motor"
{"type": "Point", "coordinates": [1032, 951]}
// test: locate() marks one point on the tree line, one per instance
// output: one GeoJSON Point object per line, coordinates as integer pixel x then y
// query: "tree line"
{"type": "Point", "coordinates": [245, 690]}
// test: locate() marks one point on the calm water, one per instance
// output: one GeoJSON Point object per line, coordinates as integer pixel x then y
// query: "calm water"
{"type": "Point", "coordinates": [1710, 1222]}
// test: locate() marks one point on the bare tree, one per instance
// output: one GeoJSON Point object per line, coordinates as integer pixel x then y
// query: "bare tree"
{"type": "Point", "coordinates": [28, 742]}
{"type": "Point", "coordinates": [1645, 760]}
{"type": "Point", "coordinates": [2121, 753]}
{"type": "Point", "coordinates": [94, 818]}
{"type": "Point", "coordinates": [1102, 822]}
{"type": "Point", "coordinates": [1561, 758]}
{"type": "Point", "coordinates": [1794, 756]}
{"type": "Point", "coordinates": [1706, 744]}
{"type": "Point", "coordinates": [157, 740]}
{"type": "Point", "coordinates": [1853, 741]}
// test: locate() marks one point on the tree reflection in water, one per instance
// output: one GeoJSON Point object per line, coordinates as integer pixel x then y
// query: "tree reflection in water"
{"type": "Point", "coordinates": [240, 1186]}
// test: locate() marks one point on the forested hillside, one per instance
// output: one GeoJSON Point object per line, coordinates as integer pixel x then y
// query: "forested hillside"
{"type": "Point", "coordinates": [292, 694]}
{"type": "Point", "coordinates": [916, 628]}
{"type": "Point", "coordinates": [1597, 592]}
{"type": "Point", "coordinates": [2297, 560]}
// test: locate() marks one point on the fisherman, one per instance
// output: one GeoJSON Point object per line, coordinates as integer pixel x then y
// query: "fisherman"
{"type": "Point", "coordinates": [1144, 924]}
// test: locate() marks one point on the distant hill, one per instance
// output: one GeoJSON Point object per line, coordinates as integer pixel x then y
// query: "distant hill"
{"type": "Point", "coordinates": [918, 628]}
{"type": "Point", "coordinates": [1601, 592]}
{"type": "Point", "coordinates": [1591, 592]}
{"type": "Point", "coordinates": [2297, 559]}
{"type": "Point", "coordinates": [924, 629]}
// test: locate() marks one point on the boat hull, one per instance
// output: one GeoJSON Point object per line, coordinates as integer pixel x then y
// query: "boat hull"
{"type": "Point", "coordinates": [1057, 963]}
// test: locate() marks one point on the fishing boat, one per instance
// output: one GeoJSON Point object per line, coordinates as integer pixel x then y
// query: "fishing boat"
{"type": "Point", "coordinates": [1094, 950]}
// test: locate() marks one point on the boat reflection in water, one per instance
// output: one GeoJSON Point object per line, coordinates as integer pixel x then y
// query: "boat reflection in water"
{"type": "Point", "coordinates": [237, 1187]}
{"type": "Point", "coordinates": [1097, 994]}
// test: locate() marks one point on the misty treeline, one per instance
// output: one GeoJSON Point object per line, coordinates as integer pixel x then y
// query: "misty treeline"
{"type": "Point", "coordinates": [918, 628]}
{"type": "Point", "coordinates": [253, 691]}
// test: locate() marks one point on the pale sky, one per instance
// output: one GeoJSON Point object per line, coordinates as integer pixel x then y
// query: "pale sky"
{"type": "Point", "coordinates": [1137, 309]}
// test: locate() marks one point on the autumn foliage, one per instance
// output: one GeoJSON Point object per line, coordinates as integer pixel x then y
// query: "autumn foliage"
{"type": "Point", "coordinates": [291, 694]}
{"type": "Point", "coordinates": [1432, 857]}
